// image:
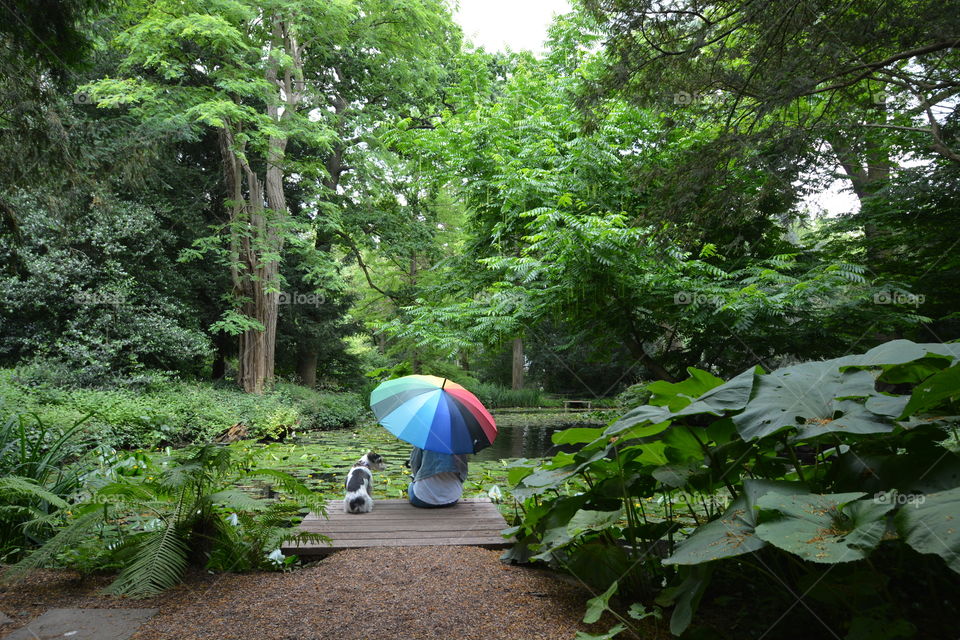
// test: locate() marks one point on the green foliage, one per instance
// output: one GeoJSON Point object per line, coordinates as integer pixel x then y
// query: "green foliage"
{"type": "Point", "coordinates": [178, 512]}
{"type": "Point", "coordinates": [495, 396]}
{"type": "Point", "coordinates": [39, 473]}
{"type": "Point", "coordinates": [179, 412]}
{"type": "Point", "coordinates": [825, 462]}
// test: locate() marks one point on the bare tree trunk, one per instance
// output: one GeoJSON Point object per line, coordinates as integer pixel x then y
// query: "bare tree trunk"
{"type": "Point", "coordinates": [518, 362]}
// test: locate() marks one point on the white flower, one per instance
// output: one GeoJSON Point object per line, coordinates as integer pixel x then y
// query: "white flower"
{"type": "Point", "coordinates": [495, 494]}
{"type": "Point", "coordinates": [233, 519]}
{"type": "Point", "coordinates": [276, 557]}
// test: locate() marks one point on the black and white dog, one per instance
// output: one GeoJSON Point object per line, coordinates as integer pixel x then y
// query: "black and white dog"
{"type": "Point", "coordinates": [360, 483]}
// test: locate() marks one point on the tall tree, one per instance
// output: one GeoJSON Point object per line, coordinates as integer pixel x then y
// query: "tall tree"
{"type": "Point", "coordinates": [278, 82]}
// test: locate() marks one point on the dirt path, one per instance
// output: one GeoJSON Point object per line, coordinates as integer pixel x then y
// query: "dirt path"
{"type": "Point", "coordinates": [440, 593]}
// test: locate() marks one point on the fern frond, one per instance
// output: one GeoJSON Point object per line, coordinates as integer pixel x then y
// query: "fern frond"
{"type": "Point", "coordinates": [91, 516]}
{"type": "Point", "coordinates": [159, 562]}
{"type": "Point", "coordinates": [295, 488]}
{"type": "Point", "coordinates": [30, 489]}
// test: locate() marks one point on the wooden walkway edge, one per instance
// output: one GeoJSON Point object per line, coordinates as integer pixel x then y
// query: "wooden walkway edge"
{"type": "Point", "coordinates": [396, 523]}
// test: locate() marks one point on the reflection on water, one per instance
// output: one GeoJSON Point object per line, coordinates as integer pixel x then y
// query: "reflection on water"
{"type": "Point", "coordinates": [520, 434]}
{"type": "Point", "coordinates": [527, 435]}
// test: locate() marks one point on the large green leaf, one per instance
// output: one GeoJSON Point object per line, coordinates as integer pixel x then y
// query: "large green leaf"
{"type": "Point", "coordinates": [730, 396]}
{"type": "Point", "coordinates": [932, 525]}
{"type": "Point", "coordinates": [923, 468]}
{"type": "Point", "coordinates": [588, 520]}
{"type": "Point", "coordinates": [939, 390]}
{"type": "Point", "coordinates": [814, 396]}
{"type": "Point", "coordinates": [824, 528]}
{"type": "Point", "coordinates": [888, 353]}
{"type": "Point", "coordinates": [577, 435]}
{"type": "Point", "coordinates": [611, 633]}
{"type": "Point", "coordinates": [677, 395]}
{"type": "Point", "coordinates": [732, 534]}
{"type": "Point", "coordinates": [903, 361]}
{"type": "Point", "coordinates": [642, 415]}
{"type": "Point", "coordinates": [543, 479]}
{"type": "Point", "coordinates": [685, 597]}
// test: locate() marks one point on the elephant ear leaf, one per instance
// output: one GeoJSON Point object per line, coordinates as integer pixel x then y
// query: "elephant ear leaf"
{"type": "Point", "coordinates": [730, 396]}
{"type": "Point", "coordinates": [814, 397]}
{"type": "Point", "coordinates": [824, 528]}
{"type": "Point", "coordinates": [677, 395]}
{"type": "Point", "coordinates": [939, 391]}
{"type": "Point", "coordinates": [932, 525]}
{"type": "Point", "coordinates": [733, 533]}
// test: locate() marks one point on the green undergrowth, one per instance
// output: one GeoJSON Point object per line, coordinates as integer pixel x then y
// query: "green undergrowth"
{"type": "Point", "coordinates": [180, 412]}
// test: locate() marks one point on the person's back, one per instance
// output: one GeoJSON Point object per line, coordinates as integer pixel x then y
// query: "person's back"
{"type": "Point", "coordinates": [437, 478]}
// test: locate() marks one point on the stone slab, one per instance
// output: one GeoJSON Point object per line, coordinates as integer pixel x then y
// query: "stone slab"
{"type": "Point", "coordinates": [84, 624]}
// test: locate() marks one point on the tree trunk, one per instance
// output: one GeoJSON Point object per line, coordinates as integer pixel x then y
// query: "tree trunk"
{"type": "Point", "coordinates": [518, 362]}
{"type": "Point", "coordinates": [867, 166]}
{"type": "Point", "coordinates": [219, 369]}
{"type": "Point", "coordinates": [258, 217]}
{"type": "Point", "coordinates": [307, 367]}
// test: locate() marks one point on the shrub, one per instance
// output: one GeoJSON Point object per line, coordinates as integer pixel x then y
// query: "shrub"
{"type": "Point", "coordinates": [180, 412]}
{"type": "Point", "coordinates": [324, 410]}
{"type": "Point", "coordinates": [195, 516]}
{"type": "Point", "coordinates": [846, 461]}
{"type": "Point", "coordinates": [634, 396]}
{"type": "Point", "coordinates": [495, 396]}
{"type": "Point", "coordinates": [39, 474]}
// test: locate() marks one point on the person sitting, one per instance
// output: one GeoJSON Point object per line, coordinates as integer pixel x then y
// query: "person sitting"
{"type": "Point", "coordinates": [437, 478]}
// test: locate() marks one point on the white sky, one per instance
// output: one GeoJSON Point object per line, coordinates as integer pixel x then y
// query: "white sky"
{"type": "Point", "coordinates": [518, 24]}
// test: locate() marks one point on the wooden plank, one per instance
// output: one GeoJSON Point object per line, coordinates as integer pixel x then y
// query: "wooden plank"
{"type": "Point", "coordinates": [443, 534]}
{"type": "Point", "coordinates": [407, 525]}
{"type": "Point", "coordinates": [395, 522]}
{"type": "Point", "coordinates": [419, 514]}
{"type": "Point", "coordinates": [321, 550]}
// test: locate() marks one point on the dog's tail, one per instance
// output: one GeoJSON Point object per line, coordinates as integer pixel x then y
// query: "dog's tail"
{"type": "Point", "coordinates": [356, 504]}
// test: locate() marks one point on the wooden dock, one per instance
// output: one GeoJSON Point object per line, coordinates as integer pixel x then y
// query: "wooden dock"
{"type": "Point", "coordinates": [396, 523]}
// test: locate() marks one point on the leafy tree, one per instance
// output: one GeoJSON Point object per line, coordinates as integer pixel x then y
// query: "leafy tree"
{"type": "Point", "coordinates": [818, 59]}
{"type": "Point", "coordinates": [257, 74]}
{"type": "Point", "coordinates": [562, 227]}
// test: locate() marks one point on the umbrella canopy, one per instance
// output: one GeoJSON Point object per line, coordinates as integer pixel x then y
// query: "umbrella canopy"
{"type": "Point", "coordinates": [433, 413]}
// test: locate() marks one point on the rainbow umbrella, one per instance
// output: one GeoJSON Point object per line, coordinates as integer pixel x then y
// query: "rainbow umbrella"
{"type": "Point", "coordinates": [433, 413]}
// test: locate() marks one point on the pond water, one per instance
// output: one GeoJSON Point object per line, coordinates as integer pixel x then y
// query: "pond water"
{"type": "Point", "coordinates": [520, 434]}
{"type": "Point", "coordinates": [322, 458]}
{"type": "Point", "coordinates": [526, 434]}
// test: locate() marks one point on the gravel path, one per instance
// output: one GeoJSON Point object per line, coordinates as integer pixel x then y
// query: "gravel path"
{"type": "Point", "coordinates": [439, 593]}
